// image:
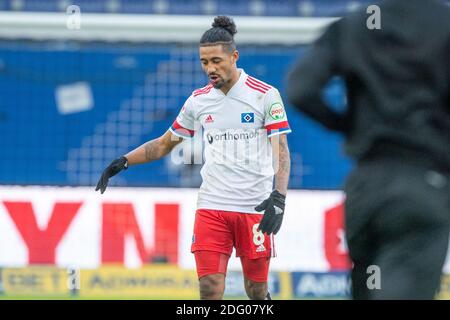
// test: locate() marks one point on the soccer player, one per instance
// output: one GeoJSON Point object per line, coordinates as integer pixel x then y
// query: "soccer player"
{"type": "Point", "coordinates": [245, 127]}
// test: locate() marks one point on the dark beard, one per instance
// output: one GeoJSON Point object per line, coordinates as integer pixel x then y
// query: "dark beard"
{"type": "Point", "coordinates": [220, 84]}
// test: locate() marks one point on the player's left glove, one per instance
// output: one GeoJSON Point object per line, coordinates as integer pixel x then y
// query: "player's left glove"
{"type": "Point", "coordinates": [273, 213]}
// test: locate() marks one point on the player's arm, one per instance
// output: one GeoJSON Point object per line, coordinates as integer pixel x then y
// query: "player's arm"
{"type": "Point", "coordinates": [282, 163]}
{"type": "Point", "coordinates": [149, 151]}
{"type": "Point", "coordinates": [154, 149]}
{"type": "Point", "coordinates": [277, 126]}
{"type": "Point", "coordinates": [274, 205]}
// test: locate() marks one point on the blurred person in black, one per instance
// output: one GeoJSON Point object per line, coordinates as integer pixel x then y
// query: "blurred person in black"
{"type": "Point", "coordinates": [397, 129]}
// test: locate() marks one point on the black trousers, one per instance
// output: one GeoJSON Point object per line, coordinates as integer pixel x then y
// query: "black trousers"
{"type": "Point", "coordinates": [397, 217]}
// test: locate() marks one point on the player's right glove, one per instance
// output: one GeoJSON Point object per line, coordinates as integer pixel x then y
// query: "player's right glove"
{"type": "Point", "coordinates": [114, 168]}
{"type": "Point", "coordinates": [273, 213]}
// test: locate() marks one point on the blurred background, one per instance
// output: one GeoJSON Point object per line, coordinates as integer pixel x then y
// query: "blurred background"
{"type": "Point", "coordinates": [83, 82]}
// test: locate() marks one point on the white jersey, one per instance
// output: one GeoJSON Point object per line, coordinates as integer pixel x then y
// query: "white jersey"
{"type": "Point", "coordinates": [238, 172]}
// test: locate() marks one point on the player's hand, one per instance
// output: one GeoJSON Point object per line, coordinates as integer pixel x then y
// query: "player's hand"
{"type": "Point", "coordinates": [273, 213]}
{"type": "Point", "coordinates": [114, 168]}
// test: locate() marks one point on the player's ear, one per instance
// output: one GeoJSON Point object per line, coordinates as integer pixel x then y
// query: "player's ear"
{"type": "Point", "coordinates": [235, 56]}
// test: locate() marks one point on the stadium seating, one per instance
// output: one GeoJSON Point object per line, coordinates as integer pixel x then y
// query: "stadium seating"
{"type": "Point", "coordinates": [133, 94]}
{"type": "Point", "coordinates": [192, 7]}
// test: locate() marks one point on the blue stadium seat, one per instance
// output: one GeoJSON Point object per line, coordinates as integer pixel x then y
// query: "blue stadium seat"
{"type": "Point", "coordinates": [192, 7]}
{"type": "Point", "coordinates": [137, 91]}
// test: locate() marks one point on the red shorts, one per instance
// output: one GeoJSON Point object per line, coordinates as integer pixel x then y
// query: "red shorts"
{"type": "Point", "coordinates": [219, 231]}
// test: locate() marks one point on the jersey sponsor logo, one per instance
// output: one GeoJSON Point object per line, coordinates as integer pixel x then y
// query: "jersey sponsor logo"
{"type": "Point", "coordinates": [209, 119]}
{"type": "Point", "coordinates": [248, 117]}
{"type": "Point", "coordinates": [276, 111]}
{"type": "Point", "coordinates": [230, 136]}
{"type": "Point", "coordinates": [210, 138]}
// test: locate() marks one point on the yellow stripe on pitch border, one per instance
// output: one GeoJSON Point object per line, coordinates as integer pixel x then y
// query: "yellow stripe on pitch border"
{"type": "Point", "coordinates": [285, 285]}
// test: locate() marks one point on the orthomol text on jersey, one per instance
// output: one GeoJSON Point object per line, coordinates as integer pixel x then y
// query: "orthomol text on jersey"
{"type": "Point", "coordinates": [238, 148]}
{"type": "Point", "coordinates": [232, 136]}
{"type": "Point", "coordinates": [232, 146]}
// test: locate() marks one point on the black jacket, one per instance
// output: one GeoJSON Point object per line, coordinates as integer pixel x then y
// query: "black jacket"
{"type": "Point", "coordinates": [397, 79]}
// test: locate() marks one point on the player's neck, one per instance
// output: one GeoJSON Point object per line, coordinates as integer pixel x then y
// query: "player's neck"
{"type": "Point", "coordinates": [234, 78]}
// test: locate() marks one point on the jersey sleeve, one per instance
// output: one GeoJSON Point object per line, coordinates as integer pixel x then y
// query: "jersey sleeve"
{"type": "Point", "coordinates": [184, 124]}
{"type": "Point", "coordinates": [275, 121]}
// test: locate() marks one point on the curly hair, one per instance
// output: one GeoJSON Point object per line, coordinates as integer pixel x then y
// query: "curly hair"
{"type": "Point", "coordinates": [222, 32]}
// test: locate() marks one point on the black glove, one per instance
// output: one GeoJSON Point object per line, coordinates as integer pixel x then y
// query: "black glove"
{"type": "Point", "coordinates": [273, 208]}
{"type": "Point", "coordinates": [114, 168]}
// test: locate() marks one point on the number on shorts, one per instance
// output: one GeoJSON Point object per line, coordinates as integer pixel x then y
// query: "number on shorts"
{"type": "Point", "coordinates": [258, 236]}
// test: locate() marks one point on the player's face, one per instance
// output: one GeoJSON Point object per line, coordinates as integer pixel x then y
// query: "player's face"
{"type": "Point", "coordinates": [219, 64]}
